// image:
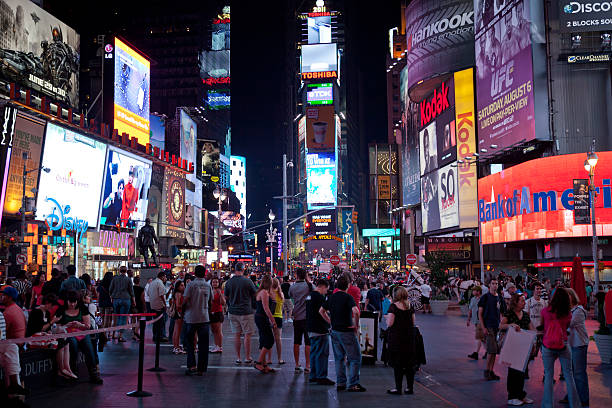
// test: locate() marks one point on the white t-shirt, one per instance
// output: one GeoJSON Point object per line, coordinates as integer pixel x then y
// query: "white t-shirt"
{"type": "Point", "coordinates": [425, 290]}
{"type": "Point", "coordinates": [534, 308]}
{"type": "Point", "coordinates": [146, 292]}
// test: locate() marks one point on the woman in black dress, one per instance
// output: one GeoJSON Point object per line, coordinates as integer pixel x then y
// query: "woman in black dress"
{"type": "Point", "coordinates": [264, 319]}
{"type": "Point", "coordinates": [400, 320]}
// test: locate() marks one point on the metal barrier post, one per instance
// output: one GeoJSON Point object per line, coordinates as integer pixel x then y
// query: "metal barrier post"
{"type": "Point", "coordinates": [157, 368]}
{"type": "Point", "coordinates": [141, 347]}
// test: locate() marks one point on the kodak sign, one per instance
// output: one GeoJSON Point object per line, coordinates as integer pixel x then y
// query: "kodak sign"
{"type": "Point", "coordinates": [438, 103]}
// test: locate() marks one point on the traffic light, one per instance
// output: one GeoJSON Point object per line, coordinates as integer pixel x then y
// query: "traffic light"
{"type": "Point", "coordinates": [354, 218]}
{"type": "Point", "coordinates": [306, 228]}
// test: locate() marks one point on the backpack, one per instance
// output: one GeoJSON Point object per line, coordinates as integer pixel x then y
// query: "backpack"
{"type": "Point", "coordinates": [554, 336]}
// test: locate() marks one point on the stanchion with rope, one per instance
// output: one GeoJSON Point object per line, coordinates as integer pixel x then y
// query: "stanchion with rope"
{"type": "Point", "coordinates": [141, 347]}
{"type": "Point", "coordinates": [157, 338]}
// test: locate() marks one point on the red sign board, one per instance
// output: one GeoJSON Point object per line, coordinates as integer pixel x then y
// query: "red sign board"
{"type": "Point", "coordinates": [411, 259]}
{"type": "Point", "coordinates": [334, 259]}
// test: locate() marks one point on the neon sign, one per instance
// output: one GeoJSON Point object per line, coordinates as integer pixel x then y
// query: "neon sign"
{"type": "Point", "coordinates": [216, 81]}
{"type": "Point", "coordinates": [319, 75]}
{"type": "Point", "coordinates": [60, 221]}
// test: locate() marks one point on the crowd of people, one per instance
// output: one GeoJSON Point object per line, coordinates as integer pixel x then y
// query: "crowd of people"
{"type": "Point", "coordinates": [323, 310]}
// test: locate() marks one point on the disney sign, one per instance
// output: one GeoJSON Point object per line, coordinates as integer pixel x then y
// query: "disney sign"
{"type": "Point", "coordinates": [60, 220]}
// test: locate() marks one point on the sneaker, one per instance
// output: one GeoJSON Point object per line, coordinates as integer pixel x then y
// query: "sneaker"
{"type": "Point", "coordinates": [176, 350]}
{"type": "Point", "coordinates": [394, 392]}
{"type": "Point", "coordinates": [527, 400]}
{"type": "Point", "coordinates": [356, 388]}
{"type": "Point", "coordinates": [515, 402]}
{"type": "Point", "coordinates": [493, 376]}
{"type": "Point", "coordinates": [487, 374]}
{"type": "Point", "coordinates": [473, 356]}
{"type": "Point", "coordinates": [409, 391]}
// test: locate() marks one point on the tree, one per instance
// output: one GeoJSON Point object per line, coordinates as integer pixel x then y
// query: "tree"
{"type": "Point", "coordinates": [438, 262]}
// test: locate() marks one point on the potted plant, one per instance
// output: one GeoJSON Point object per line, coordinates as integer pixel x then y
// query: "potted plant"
{"type": "Point", "coordinates": [603, 339]}
{"type": "Point", "coordinates": [437, 262]}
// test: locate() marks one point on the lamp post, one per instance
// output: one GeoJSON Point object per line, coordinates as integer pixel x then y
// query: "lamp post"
{"type": "Point", "coordinates": [220, 195]}
{"type": "Point", "coordinates": [286, 164]}
{"type": "Point", "coordinates": [589, 165]}
{"type": "Point", "coordinates": [23, 194]}
{"type": "Point", "coordinates": [271, 238]}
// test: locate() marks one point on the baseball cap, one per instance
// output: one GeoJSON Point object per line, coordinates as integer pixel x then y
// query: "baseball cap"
{"type": "Point", "coordinates": [510, 285]}
{"type": "Point", "coordinates": [10, 291]}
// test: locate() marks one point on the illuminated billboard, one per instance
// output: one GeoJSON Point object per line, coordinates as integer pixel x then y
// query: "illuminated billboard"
{"type": "Point", "coordinates": [320, 128]}
{"type": "Point", "coordinates": [76, 169]}
{"type": "Point", "coordinates": [513, 205]}
{"type": "Point", "coordinates": [319, 29]}
{"type": "Point", "coordinates": [215, 64]}
{"type": "Point", "coordinates": [157, 136]}
{"type": "Point", "coordinates": [319, 58]}
{"type": "Point", "coordinates": [218, 99]}
{"type": "Point", "coordinates": [323, 222]}
{"type": "Point", "coordinates": [440, 201]}
{"type": "Point", "coordinates": [131, 92]}
{"type": "Point", "coordinates": [28, 141]}
{"type": "Point", "coordinates": [39, 51]}
{"type": "Point", "coordinates": [174, 196]}
{"type": "Point", "coordinates": [233, 223]}
{"type": "Point", "coordinates": [189, 137]}
{"type": "Point", "coordinates": [321, 180]}
{"type": "Point", "coordinates": [320, 94]}
{"type": "Point", "coordinates": [126, 189]}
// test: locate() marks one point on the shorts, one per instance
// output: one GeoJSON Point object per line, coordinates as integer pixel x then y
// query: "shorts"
{"type": "Point", "coordinates": [299, 332]}
{"type": "Point", "coordinates": [279, 322]}
{"type": "Point", "coordinates": [242, 324]}
{"type": "Point", "coordinates": [479, 333]}
{"type": "Point", "coordinates": [216, 317]}
{"type": "Point", "coordinates": [424, 300]}
{"type": "Point", "coordinates": [491, 341]}
{"type": "Point", "coordinates": [9, 359]}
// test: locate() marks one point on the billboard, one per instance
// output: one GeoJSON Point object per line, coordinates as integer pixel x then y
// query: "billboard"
{"type": "Point", "coordinates": [126, 189]}
{"type": "Point", "coordinates": [439, 37]}
{"type": "Point", "coordinates": [320, 128]}
{"type": "Point", "coordinates": [155, 202]}
{"type": "Point", "coordinates": [210, 159]}
{"type": "Point", "coordinates": [440, 201]}
{"type": "Point", "coordinates": [319, 58]}
{"type": "Point", "coordinates": [323, 222]}
{"type": "Point", "coordinates": [215, 64]}
{"type": "Point", "coordinates": [458, 248]}
{"type": "Point", "coordinates": [220, 36]}
{"type": "Point", "coordinates": [131, 92]}
{"type": "Point", "coordinates": [232, 222]}
{"type": "Point", "coordinates": [189, 137]}
{"type": "Point", "coordinates": [513, 205]}
{"type": "Point", "coordinates": [428, 151]}
{"type": "Point", "coordinates": [39, 51]}
{"type": "Point", "coordinates": [174, 194]}
{"type": "Point", "coordinates": [585, 15]}
{"type": "Point", "coordinates": [319, 29]}
{"type": "Point", "coordinates": [320, 94]}
{"type": "Point", "coordinates": [582, 207]}
{"type": "Point", "coordinates": [218, 99]}
{"type": "Point", "coordinates": [27, 140]}
{"type": "Point", "coordinates": [157, 135]}
{"type": "Point", "coordinates": [321, 185]}
{"type": "Point", "coordinates": [76, 164]}
{"type": "Point", "coordinates": [504, 74]}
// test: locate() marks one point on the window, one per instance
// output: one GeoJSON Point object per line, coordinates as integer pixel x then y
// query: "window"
{"type": "Point", "coordinates": [240, 173]}
{"type": "Point", "coordinates": [236, 182]}
{"type": "Point", "coordinates": [231, 172]}
{"type": "Point", "coordinates": [241, 195]}
{"type": "Point", "coordinates": [233, 162]}
{"type": "Point", "coordinates": [243, 184]}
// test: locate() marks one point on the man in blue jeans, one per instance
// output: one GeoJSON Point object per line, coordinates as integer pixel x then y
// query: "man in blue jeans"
{"type": "Point", "coordinates": [341, 312]}
{"type": "Point", "coordinates": [318, 332]}
{"type": "Point", "coordinates": [197, 300]}
{"type": "Point", "coordinates": [122, 294]}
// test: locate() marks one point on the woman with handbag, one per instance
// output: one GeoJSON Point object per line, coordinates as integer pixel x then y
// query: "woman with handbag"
{"type": "Point", "coordinates": [176, 314]}
{"type": "Point", "coordinates": [516, 319]}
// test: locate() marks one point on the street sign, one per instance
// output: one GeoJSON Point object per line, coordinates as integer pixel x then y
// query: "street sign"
{"type": "Point", "coordinates": [21, 259]}
{"type": "Point", "coordinates": [411, 259]}
{"type": "Point", "coordinates": [334, 259]}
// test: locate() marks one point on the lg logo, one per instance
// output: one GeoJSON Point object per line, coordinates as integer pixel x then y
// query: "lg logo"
{"type": "Point", "coordinates": [575, 7]}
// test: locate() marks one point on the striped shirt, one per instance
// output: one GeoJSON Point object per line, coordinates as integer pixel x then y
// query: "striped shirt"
{"type": "Point", "coordinates": [2, 327]}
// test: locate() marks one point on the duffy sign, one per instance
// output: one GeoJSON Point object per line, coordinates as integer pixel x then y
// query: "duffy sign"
{"type": "Point", "coordinates": [515, 205]}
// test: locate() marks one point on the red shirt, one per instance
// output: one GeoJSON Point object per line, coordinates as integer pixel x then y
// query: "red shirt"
{"type": "Point", "coordinates": [36, 291]}
{"type": "Point", "coordinates": [215, 306]}
{"type": "Point", "coordinates": [15, 322]}
{"type": "Point", "coordinates": [130, 197]}
{"type": "Point", "coordinates": [608, 307]}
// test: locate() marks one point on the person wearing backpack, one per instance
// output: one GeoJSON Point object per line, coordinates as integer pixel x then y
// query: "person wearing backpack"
{"type": "Point", "coordinates": [556, 320]}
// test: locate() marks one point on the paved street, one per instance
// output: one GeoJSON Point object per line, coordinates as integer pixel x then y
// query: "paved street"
{"type": "Point", "coordinates": [448, 380]}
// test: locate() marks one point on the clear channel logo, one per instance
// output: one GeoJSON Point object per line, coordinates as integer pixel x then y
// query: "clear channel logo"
{"type": "Point", "coordinates": [575, 7]}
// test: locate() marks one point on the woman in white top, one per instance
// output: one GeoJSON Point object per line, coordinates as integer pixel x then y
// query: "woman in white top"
{"type": "Point", "coordinates": [578, 341]}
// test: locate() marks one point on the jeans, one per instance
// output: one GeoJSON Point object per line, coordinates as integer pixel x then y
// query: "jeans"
{"type": "Point", "coordinates": [88, 352]}
{"type": "Point", "coordinates": [121, 306]}
{"type": "Point", "coordinates": [548, 358]}
{"type": "Point", "coordinates": [319, 354]}
{"type": "Point", "coordinates": [516, 384]}
{"type": "Point", "coordinates": [202, 330]}
{"type": "Point", "coordinates": [345, 344]}
{"type": "Point", "coordinates": [579, 363]}
{"type": "Point", "coordinates": [159, 327]}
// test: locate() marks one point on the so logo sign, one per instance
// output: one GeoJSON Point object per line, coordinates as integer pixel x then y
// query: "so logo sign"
{"type": "Point", "coordinates": [59, 219]}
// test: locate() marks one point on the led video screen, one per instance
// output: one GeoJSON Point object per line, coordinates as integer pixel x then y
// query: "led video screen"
{"type": "Point", "coordinates": [215, 64]}
{"type": "Point", "coordinates": [76, 168]}
{"type": "Point", "coordinates": [320, 94]}
{"type": "Point", "coordinates": [132, 92]}
{"type": "Point", "coordinates": [218, 99]}
{"type": "Point", "coordinates": [321, 180]}
{"type": "Point", "coordinates": [319, 29]}
{"type": "Point", "coordinates": [126, 189]}
{"type": "Point", "coordinates": [319, 58]}
{"type": "Point", "coordinates": [158, 132]}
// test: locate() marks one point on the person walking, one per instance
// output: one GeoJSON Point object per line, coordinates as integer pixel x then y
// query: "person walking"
{"type": "Point", "coordinates": [489, 307]}
{"type": "Point", "coordinates": [288, 304]}
{"type": "Point", "coordinates": [122, 293]}
{"type": "Point", "coordinates": [239, 293]}
{"type": "Point", "coordinates": [425, 295]}
{"type": "Point", "coordinates": [473, 319]}
{"type": "Point", "coordinates": [196, 303]}
{"type": "Point", "coordinates": [264, 319]}
{"type": "Point", "coordinates": [341, 312]}
{"type": "Point", "coordinates": [556, 319]}
{"type": "Point", "coordinates": [578, 341]}
{"type": "Point", "coordinates": [516, 319]}
{"type": "Point", "coordinates": [216, 315]}
{"type": "Point", "coordinates": [400, 321]}
{"type": "Point", "coordinates": [299, 291]}
{"type": "Point", "coordinates": [318, 332]}
{"type": "Point", "coordinates": [176, 314]}
{"type": "Point", "coordinates": [279, 299]}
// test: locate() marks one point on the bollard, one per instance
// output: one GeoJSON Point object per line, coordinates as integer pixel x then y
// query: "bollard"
{"type": "Point", "coordinates": [157, 368]}
{"type": "Point", "coordinates": [141, 347]}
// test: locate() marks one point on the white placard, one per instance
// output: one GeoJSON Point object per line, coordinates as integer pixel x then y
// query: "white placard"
{"type": "Point", "coordinates": [517, 348]}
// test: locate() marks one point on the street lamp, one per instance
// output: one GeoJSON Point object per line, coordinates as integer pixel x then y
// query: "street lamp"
{"type": "Point", "coordinates": [220, 195]}
{"type": "Point", "coordinates": [271, 238]}
{"type": "Point", "coordinates": [23, 195]}
{"type": "Point", "coordinates": [589, 166]}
